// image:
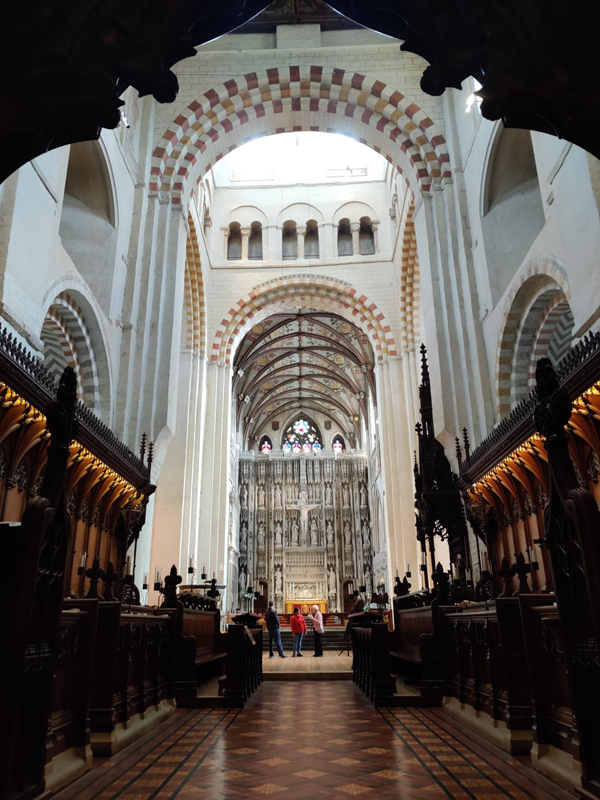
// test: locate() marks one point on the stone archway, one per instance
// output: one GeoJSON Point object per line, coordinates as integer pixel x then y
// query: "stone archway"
{"type": "Point", "coordinates": [285, 99]}
{"type": "Point", "coordinates": [302, 291]}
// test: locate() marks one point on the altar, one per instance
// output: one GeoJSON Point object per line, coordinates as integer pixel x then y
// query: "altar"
{"type": "Point", "coordinates": [305, 606]}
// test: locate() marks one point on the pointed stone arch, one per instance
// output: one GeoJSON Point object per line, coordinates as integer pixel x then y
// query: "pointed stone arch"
{"type": "Point", "coordinates": [302, 291]}
{"type": "Point", "coordinates": [299, 98]}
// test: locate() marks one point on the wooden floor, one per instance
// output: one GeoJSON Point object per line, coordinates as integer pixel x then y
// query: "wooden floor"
{"type": "Point", "coordinates": [329, 667]}
{"type": "Point", "coordinates": [306, 741]}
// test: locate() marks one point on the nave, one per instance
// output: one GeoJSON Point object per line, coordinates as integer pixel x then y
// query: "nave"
{"type": "Point", "coordinates": [310, 739]}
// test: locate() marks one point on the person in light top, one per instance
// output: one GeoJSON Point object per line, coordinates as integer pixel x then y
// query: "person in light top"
{"type": "Point", "coordinates": [317, 621]}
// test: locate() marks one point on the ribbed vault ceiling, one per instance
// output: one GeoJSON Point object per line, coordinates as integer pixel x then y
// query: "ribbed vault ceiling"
{"type": "Point", "coordinates": [303, 362]}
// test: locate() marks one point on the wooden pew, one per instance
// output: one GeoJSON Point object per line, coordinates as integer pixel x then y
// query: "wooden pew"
{"type": "Point", "coordinates": [211, 644]}
{"type": "Point", "coordinates": [244, 664]}
{"type": "Point", "coordinates": [133, 676]}
{"type": "Point", "coordinates": [68, 751]}
{"type": "Point", "coordinates": [487, 683]}
{"type": "Point", "coordinates": [555, 751]}
{"type": "Point", "coordinates": [371, 665]}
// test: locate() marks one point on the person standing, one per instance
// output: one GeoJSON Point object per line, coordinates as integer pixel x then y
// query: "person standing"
{"type": "Point", "coordinates": [298, 626]}
{"type": "Point", "coordinates": [317, 620]}
{"type": "Point", "coordinates": [273, 626]}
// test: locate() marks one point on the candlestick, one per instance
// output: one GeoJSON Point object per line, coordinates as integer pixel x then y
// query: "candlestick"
{"type": "Point", "coordinates": [397, 571]}
{"type": "Point", "coordinates": [454, 572]}
{"type": "Point", "coordinates": [407, 567]}
{"type": "Point", "coordinates": [214, 576]}
{"type": "Point", "coordinates": [82, 560]}
{"type": "Point", "coordinates": [145, 583]}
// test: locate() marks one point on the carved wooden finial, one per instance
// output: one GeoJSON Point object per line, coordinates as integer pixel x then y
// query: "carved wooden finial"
{"type": "Point", "coordinates": [143, 448]}
{"type": "Point", "coordinates": [95, 573]}
{"type": "Point", "coordinates": [466, 443]}
{"type": "Point", "coordinates": [521, 569]}
{"type": "Point", "coordinates": [172, 581]}
{"type": "Point", "coordinates": [424, 365]}
{"type": "Point", "coordinates": [150, 457]}
{"type": "Point", "coordinates": [506, 572]}
{"type": "Point", "coordinates": [110, 577]}
{"type": "Point", "coordinates": [458, 452]}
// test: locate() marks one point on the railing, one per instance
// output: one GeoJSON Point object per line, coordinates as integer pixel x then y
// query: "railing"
{"type": "Point", "coordinates": [244, 664]}
{"type": "Point", "coordinates": [372, 665]}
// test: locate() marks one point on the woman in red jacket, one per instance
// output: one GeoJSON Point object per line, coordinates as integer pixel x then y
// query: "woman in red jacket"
{"type": "Point", "coordinates": [298, 626]}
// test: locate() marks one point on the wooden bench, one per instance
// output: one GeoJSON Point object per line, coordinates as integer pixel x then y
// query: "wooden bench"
{"type": "Point", "coordinates": [211, 644]}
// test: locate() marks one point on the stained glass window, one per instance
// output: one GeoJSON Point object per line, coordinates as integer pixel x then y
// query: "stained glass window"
{"type": "Point", "coordinates": [265, 445]}
{"type": "Point", "coordinates": [302, 437]}
{"type": "Point", "coordinates": [338, 445]}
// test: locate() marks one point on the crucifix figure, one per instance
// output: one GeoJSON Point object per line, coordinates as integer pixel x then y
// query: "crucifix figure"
{"type": "Point", "coordinates": [303, 506]}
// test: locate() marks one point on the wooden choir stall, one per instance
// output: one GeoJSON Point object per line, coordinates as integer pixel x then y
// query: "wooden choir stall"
{"type": "Point", "coordinates": [507, 639]}
{"type": "Point", "coordinates": [85, 667]}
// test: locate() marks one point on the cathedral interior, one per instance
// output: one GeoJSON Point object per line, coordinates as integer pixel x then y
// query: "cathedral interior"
{"type": "Point", "coordinates": [300, 358]}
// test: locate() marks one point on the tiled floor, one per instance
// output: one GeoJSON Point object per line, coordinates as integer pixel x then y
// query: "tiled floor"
{"type": "Point", "coordinates": [309, 740]}
{"type": "Point", "coordinates": [330, 663]}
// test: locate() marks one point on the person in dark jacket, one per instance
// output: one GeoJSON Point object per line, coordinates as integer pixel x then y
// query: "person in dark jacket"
{"type": "Point", "coordinates": [273, 625]}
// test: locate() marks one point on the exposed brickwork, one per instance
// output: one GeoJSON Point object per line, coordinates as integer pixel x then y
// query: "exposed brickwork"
{"type": "Point", "coordinates": [540, 285]}
{"type": "Point", "coordinates": [299, 98]}
{"type": "Point", "coordinates": [195, 306]}
{"type": "Point", "coordinates": [302, 291]}
{"type": "Point", "coordinates": [410, 308]}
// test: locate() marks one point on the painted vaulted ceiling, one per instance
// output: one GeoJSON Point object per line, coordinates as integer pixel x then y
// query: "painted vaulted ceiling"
{"type": "Point", "coordinates": [303, 361]}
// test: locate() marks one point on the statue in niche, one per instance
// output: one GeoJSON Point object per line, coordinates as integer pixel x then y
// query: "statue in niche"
{"type": "Point", "coordinates": [346, 495]}
{"type": "Point", "coordinates": [332, 581]}
{"type": "Point", "coordinates": [243, 536]}
{"type": "Point", "coordinates": [369, 586]}
{"type": "Point", "coordinates": [317, 491]}
{"type": "Point", "coordinates": [289, 492]}
{"type": "Point", "coordinates": [244, 495]}
{"type": "Point", "coordinates": [261, 497]}
{"type": "Point", "coordinates": [278, 535]}
{"type": "Point", "coordinates": [329, 533]}
{"type": "Point", "coordinates": [347, 534]}
{"type": "Point", "coordinates": [278, 581]}
{"type": "Point", "coordinates": [278, 496]}
{"type": "Point", "coordinates": [314, 533]}
{"type": "Point", "coordinates": [303, 506]}
{"type": "Point", "coordinates": [261, 535]}
{"type": "Point", "coordinates": [363, 495]}
{"type": "Point", "coordinates": [365, 533]}
{"type": "Point", "coordinates": [295, 533]}
{"type": "Point", "coordinates": [328, 496]}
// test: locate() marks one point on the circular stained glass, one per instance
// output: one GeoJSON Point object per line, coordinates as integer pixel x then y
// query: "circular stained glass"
{"type": "Point", "coordinates": [302, 437]}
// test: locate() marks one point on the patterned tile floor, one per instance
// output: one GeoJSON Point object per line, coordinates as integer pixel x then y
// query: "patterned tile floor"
{"type": "Point", "coordinates": [310, 740]}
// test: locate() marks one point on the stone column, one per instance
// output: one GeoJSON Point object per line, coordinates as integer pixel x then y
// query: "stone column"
{"type": "Point", "coordinates": [245, 239]}
{"type": "Point", "coordinates": [355, 228]}
{"type": "Point", "coordinates": [375, 229]}
{"type": "Point", "coordinates": [225, 241]}
{"type": "Point", "coordinates": [300, 233]}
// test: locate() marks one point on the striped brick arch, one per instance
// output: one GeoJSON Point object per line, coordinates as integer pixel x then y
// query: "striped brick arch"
{"type": "Point", "coordinates": [69, 340]}
{"type": "Point", "coordinates": [302, 291]}
{"type": "Point", "coordinates": [538, 323]}
{"type": "Point", "coordinates": [294, 99]}
{"type": "Point", "coordinates": [410, 306]}
{"type": "Point", "coordinates": [194, 305]}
